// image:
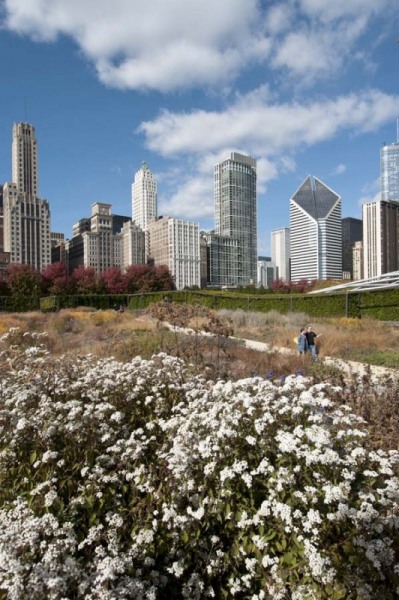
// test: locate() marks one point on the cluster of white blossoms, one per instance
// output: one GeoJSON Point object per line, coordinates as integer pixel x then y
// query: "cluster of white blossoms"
{"type": "Point", "coordinates": [139, 481]}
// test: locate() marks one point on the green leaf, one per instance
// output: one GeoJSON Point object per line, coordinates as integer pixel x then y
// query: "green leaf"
{"type": "Point", "coordinates": [33, 457]}
{"type": "Point", "coordinates": [184, 537]}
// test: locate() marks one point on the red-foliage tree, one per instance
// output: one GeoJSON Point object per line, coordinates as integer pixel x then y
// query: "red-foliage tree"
{"type": "Point", "coordinates": [300, 287]}
{"type": "Point", "coordinates": [146, 278]}
{"type": "Point", "coordinates": [114, 281]}
{"type": "Point", "coordinates": [23, 280]}
{"type": "Point", "coordinates": [85, 280]}
{"type": "Point", "coordinates": [56, 279]}
{"type": "Point", "coordinates": [279, 286]}
{"type": "Point", "coordinates": [165, 279]}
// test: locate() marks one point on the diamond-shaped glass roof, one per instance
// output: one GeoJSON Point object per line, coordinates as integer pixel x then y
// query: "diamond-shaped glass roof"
{"type": "Point", "coordinates": [315, 198]}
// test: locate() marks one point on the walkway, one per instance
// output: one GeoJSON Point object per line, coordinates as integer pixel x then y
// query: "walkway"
{"type": "Point", "coordinates": [349, 367]}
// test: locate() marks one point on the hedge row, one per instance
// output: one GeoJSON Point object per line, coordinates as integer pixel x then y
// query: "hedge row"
{"type": "Point", "coordinates": [336, 305]}
{"type": "Point", "coordinates": [381, 304]}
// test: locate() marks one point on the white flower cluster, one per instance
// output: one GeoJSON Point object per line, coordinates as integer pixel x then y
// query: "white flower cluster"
{"type": "Point", "coordinates": [139, 481]}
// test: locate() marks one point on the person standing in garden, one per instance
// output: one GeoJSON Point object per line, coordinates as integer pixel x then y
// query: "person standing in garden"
{"type": "Point", "coordinates": [302, 346]}
{"type": "Point", "coordinates": [311, 337]}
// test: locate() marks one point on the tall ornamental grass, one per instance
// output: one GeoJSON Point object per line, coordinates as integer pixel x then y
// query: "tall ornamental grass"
{"type": "Point", "coordinates": [141, 481]}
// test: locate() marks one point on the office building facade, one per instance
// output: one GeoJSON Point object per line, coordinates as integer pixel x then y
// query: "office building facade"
{"type": "Point", "coordinates": [352, 231]}
{"type": "Point", "coordinates": [389, 171]}
{"type": "Point", "coordinates": [25, 159]}
{"type": "Point", "coordinates": [175, 243]}
{"type": "Point", "coordinates": [236, 217]}
{"type": "Point", "coordinates": [281, 249]}
{"type": "Point", "coordinates": [99, 247]}
{"type": "Point", "coordinates": [267, 271]}
{"type": "Point", "coordinates": [26, 216]}
{"type": "Point", "coordinates": [357, 261]}
{"type": "Point", "coordinates": [380, 238]}
{"type": "Point", "coordinates": [223, 261]}
{"type": "Point", "coordinates": [316, 232]}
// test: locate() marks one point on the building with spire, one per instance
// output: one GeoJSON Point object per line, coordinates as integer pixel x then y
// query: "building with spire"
{"type": "Point", "coordinates": [144, 197]}
{"type": "Point", "coordinates": [26, 216]}
{"type": "Point", "coordinates": [144, 200]}
{"type": "Point", "coordinates": [316, 232]}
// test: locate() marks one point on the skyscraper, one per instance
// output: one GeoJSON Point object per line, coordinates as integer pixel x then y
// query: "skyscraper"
{"type": "Point", "coordinates": [24, 159]}
{"type": "Point", "coordinates": [316, 232]}
{"type": "Point", "coordinates": [26, 216]}
{"type": "Point", "coordinates": [281, 252]}
{"type": "Point", "coordinates": [144, 197]}
{"type": "Point", "coordinates": [389, 170]}
{"type": "Point", "coordinates": [236, 218]}
{"type": "Point", "coordinates": [380, 238]}
{"type": "Point", "coordinates": [352, 231]}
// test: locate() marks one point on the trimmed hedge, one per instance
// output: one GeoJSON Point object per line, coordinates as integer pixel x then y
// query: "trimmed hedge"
{"type": "Point", "coordinates": [381, 304]}
{"type": "Point", "coordinates": [312, 305]}
{"type": "Point", "coordinates": [16, 303]}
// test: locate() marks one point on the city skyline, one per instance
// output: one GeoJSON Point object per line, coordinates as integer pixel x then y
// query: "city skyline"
{"type": "Point", "coordinates": [300, 86]}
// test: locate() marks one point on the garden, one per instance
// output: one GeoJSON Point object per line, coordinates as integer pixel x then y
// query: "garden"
{"type": "Point", "coordinates": [137, 462]}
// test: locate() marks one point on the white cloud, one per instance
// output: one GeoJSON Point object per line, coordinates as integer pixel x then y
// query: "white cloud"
{"type": "Point", "coordinates": [343, 9]}
{"type": "Point", "coordinates": [158, 45]}
{"type": "Point", "coordinates": [279, 18]}
{"type": "Point", "coordinates": [310, 52]}
{"type": "Point", "coordinates": [168, 45]}
{"type": "Point", "coordinates": [193, 199]}
{"type": "Point", "coordinates": [263, 128]}
{"type": "Point", "coordinates": [339, 169]}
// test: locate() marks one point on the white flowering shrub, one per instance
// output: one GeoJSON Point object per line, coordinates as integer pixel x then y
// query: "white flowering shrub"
{"type": "Point", "coordinates": [141, 481]}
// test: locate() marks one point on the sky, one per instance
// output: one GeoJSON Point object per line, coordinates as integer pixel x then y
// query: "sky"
{"type": "Point", "coordinates": [307, 87]}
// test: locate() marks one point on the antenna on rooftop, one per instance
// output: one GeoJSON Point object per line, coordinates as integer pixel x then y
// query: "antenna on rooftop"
{"type": "Point", "coordinates": [397, 130]}
{"type": "Point", "coordinates": [25, 103]}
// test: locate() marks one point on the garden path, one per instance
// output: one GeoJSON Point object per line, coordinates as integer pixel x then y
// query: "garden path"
{"type": "Point", "coordinates": [349, 367]}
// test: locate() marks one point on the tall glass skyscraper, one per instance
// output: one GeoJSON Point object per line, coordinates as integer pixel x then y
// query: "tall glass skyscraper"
{"type": "Point", "coordinates": [236, 218]}
{"type": "Point", "coordinates": [390, 171]}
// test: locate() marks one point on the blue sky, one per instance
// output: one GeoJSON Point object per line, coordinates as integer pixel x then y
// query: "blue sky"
{"type": "Point", "coordinates": [304, 86]}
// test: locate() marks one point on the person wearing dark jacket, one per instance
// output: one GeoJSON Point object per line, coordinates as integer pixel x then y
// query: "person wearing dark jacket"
{"type": "Point", "coordinates": [311, 337]}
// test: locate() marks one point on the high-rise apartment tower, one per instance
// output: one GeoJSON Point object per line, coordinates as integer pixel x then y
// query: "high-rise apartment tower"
{"type": "Point", "coordinates": [236, 217]}
{"type": "Point", "coordinates": [316, 232]}
{"type": "Point", "coordinates": [389, 162]}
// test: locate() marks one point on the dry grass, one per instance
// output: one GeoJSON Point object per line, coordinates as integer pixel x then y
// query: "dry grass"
{"type": "Point", "coordinates": [79, 331]}
{"type": "Point", "coordinates": [339, 335]}
{"type": "Point", "coordinates": [85, 330]}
